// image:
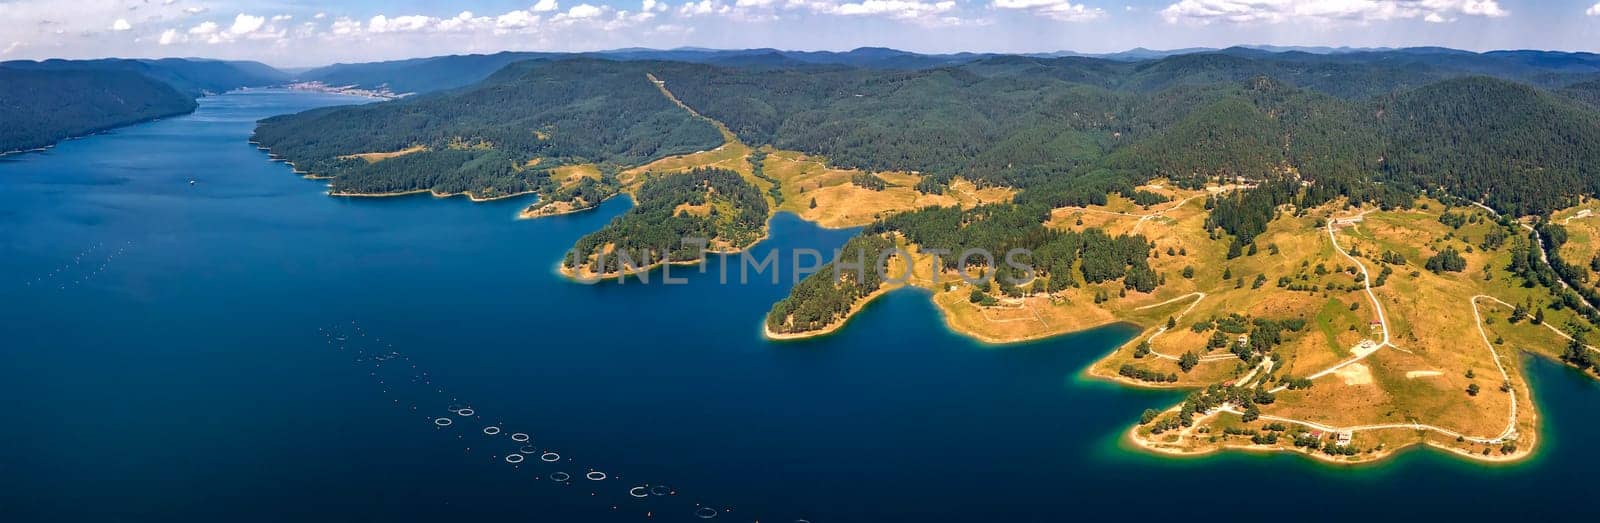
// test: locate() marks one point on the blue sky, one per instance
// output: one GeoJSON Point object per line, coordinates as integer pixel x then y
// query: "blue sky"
{"type": "Point", "coordinates": [303, 33]}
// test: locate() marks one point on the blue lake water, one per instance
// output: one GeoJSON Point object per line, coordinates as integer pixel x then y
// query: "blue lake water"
{"type": "Point", "coordinates": [170, 352]}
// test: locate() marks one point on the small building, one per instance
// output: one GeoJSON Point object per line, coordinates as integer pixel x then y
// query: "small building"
{"type": "Point", "coordinates": [1244, 339]}
{"type": "Point", "coordinates": [1344, 438]}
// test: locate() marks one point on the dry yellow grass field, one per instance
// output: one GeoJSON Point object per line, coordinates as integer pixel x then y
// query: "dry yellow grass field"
{"type": "Point", "coordinates": [804, 179]}
{"type": "Point", "coordinates": [378, 157]}
{"type": "Point", "coordinates": [1414, 392]}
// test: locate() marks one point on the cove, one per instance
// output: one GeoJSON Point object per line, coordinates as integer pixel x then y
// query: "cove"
{"type": "Point", "coordinates": [161, 361]}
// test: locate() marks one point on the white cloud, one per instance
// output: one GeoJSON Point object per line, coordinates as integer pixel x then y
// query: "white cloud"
{"type": "Point", "coordinates": [345, 26]}
{"type": "Point", "coordinates": [121, 25]}
{"type": "Point", "coordinates": [545, 6]}
{"type": "Point", "coordinates": [399, 24]}
{"type": "Point", "coordinates": [516, 20]}
{"type": "Point", "coordinates": [1062, 10]}
{"type": "Point", "coordinates": [172, 36]}
{"type": "Point", "coordinates": [195, 10]}
{"type": "Point", "coordinates": [653, 5]}
{"type": "Point", "coordinates": [204, 28]}
{"type": "Point", "coordinates": [1276, 11]}
{"type": "Point", "coordinates": [579, 11]}
{"type": "Point", "coordinates": [703, 7]}
{"type": "Point", "coordinates": [1594, 10]}
{"type": "Point", "coordinates": [245, 24]}
{"type": "Point", "coordinates": [893, 8]}
{"type": "Point", "coordinates": [463, 21]}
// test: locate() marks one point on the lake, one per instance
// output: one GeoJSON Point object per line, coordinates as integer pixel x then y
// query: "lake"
{"type": "Point", "coordinates": [247, 348]}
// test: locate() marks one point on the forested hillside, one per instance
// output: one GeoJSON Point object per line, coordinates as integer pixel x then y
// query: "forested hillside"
{"type": "Point", "coordinates": [716, 205]}
{"type": "Point", "coordinates": [1369, 125]}
{"type": "Point", "coordinates": [418, 75]}
{"type": "Point", "coordinates": [437, 73]}
{"type": "Point", "coordinates": [1518, 149]}
{"type": "Point", "coordinates": [486, 139]}
{"type": "Point", "coordinates": [38, 108]}
{"type": "Point", "coordinates": [44, 102]}
{"type": "Point", "coordinates": [193, 77]}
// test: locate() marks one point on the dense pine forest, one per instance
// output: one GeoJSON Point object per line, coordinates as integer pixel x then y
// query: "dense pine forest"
{"type": "Point", "coordinates": [716, 205]}
{"type": "Point", "coordinates": [482, 139]}
{"type": "Point", "coordinates": [62, 104]}
{"type": "Point", "coordinates": [1372, 126]}
{"type": "Point", "coordinates": [44, 102]}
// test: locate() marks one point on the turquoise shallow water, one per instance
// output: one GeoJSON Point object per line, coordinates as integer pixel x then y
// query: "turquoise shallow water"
{"type": "Point", "coordinates": [166, 356]}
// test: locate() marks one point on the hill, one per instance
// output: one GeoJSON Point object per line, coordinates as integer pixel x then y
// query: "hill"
{"type": "Point", "coordinates": [418, 75]}
{"type": "Point", "coordinates": [44, 102]}
{"type": "Point", "coordinates": [193, 77]}
{"type": "Point", "coordinates": [498, 137]}
{"type": "Point", "coordinates": [1518, 149]}
{"type": "Point", "coordinates": [41, 107]}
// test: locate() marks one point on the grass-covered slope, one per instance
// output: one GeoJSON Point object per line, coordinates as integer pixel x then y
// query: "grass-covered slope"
{"type": "Point", "coordinates": [38, 108]}
{"type": "Point", "coordinates": [483, 139]}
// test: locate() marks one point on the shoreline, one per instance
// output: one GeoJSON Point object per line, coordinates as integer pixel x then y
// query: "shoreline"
{"type": "Point", "coordinates": [470, 196]}
{"type": "Point", "coordinates": [525, 215]}
{"type": "Point", "coordinates": [766, 330]}
{"type": "Point", "coordinates": [1132, 437]}
{"type": "Point", "coordinates": [98, 130]}
{"type": "Point", "coordinates": [342, 194]}
{"type": "Point", "coordinates": [570, 273]}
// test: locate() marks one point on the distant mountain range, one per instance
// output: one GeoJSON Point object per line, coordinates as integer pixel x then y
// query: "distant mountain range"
{"type": "Point", "coordinates": [419, 75]}
{"type": "Point", "coordinates": [28, 98]}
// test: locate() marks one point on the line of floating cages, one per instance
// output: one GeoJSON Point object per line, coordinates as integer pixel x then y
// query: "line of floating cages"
{"type": "Point", "coordinates": [463, 411]}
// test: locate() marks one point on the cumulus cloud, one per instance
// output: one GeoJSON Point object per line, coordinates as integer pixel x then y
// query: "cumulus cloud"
{"type": "Point", "coordinates": [703, 7]}
{"type": "Point", "coordinates": [516, 20]}
{"type": "Point", "coordinates": [204, 28]}
{"type": "Point", "coordinates": [244, 27]}
{"type": "Point", "coordinates": [1275, 11]}
{"type": "Point", "coordinates": [1594, 10]}
{"type": "Point", "coordinates": [399, 24]}
{"type": "Point", "coordinates": [580, 11]}
{"type": "Point", "coordinates": [344, 26]}
{"type": "Point", "coordinates": [121, 25]}
{"type": "Point", "coordinates": [244, 24]}
{"type": "Point", "coordinates": [893, 8]}
{"type": "Point", "coordinates": [545, 6]}
{"type": "Point", "coordinates": [172, 36]}
{"type": "Point", "coordinates": [1062, 10]}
